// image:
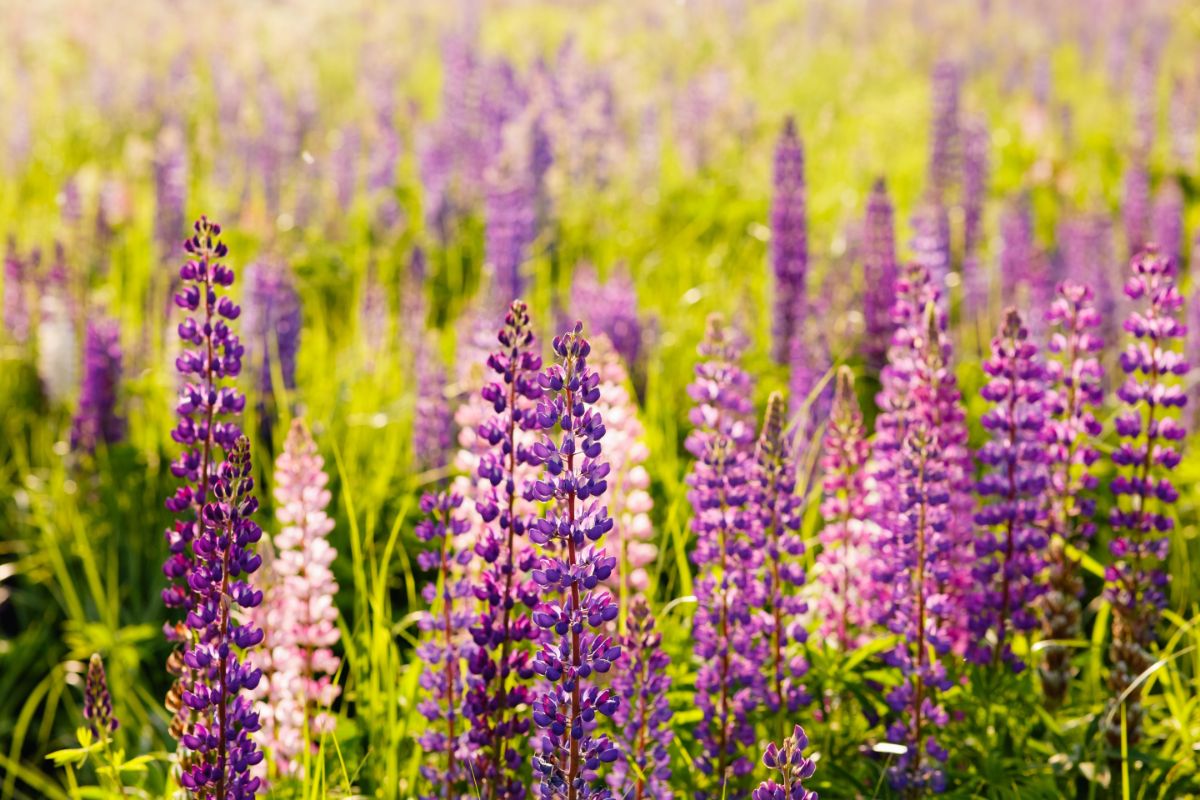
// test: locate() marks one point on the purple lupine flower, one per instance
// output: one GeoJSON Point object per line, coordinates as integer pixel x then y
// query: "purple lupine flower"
{"type": "Point", "coordinates": [1074, 380]}
{"type": "Point", "coordinates": [789, 239]}
{"type": "Point", "coordinates": [344, 165]}
{"type": "Point", "coordinates": [879, 274]}
{"type": "Point", "coordinates": [170, 188]}
{"type": "Point", "coordinates": [1015, 479]}
{"type": "Point", "coordinates": [612, 309]}
{"type": "Point", "coordinates": [1017, 253]}
{"type": "Point", "coordinates": [206, 402]}
{"type": "Point", "coordinates": [1135, 204]}
{"type": "Point", "coordinates": [1151, 434]}
{"type": "Point", "coordinates": [793, 766]}
{"type": "Point", "coordinates": [725, 554]}
{"type": "Point", "coordinates": [780, 512]}
{"type": "Point", "coordinates": [97, 702]}
{"type": "Point", "coordinates": [433, 422]}
{"type": "Point", "coordinates": [272, 323]}
{"type": "Point", "coordinates": [1183, 117]}
{"type": "Point", "coordinates": [843, 603]}
{"type": "Point", "coordinates": [510, 216]}
{"type": "Point", "coordinates": [96, 419]}
{"type": "Point", "coordinates": [501, 632]}
{"type": "Point", "coordinates": [809, 365]}
{"type": "Point", "coordinates": [569, 753]}
{"type": "Point", "coordinates": [945, 133]}
{"type": "Point", "coordinates": [975, 179]}
{"type": "Point", "coordinates": [930, 243]}
{"type": "Point", "coordinates": [381, 170]}
{"type": "Point", "coordinates": [219, 741]}
{"type": "Point", "coordinates": [442, 649]}
{"type": "Point", "coordinates": [17, 316]}
{"type": "Point", "coordinates": [643, 718]}
{"type": "Point", "coordinates": [1166, 221]}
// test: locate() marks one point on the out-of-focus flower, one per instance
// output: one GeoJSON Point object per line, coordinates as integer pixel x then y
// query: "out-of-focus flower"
{"type": "Point", "coordinates": [789, 240]}
{"type": "Point", "coordinates": [793, 766]}
{"type": "Point", "coordinates": [643, 718]}
{"type": "Point", "coordinates": [96, 419]}
{"type": "Point", "coordinates": [97, 702]}
{"type": "Point", "coordinates": [879, 275]}
{"type": "Point", "coordinates": [272, 323]}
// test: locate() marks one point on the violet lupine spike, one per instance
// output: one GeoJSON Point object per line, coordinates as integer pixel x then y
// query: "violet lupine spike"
{"type": "Point", "coordinates": [1017, 257]}
{"type": "Point", "coordinates": [96, 419]}
{"type": "Point", "coordinates": [1151, 438]}
{"type": "Point", "coordinates": [793, 766]}
{"type": "Point", "coordinates": [502, 633]}
{"type": "Point", "coordinates": [879, 275]}
{"type": "Point", "coordinates": [945, 133]}
{"type": "Point", "coordinates": [808, 382]}
{"type": "Point", "coordinates": [1074, 381]}
{"type": "Point", "coordinates": [97, 702]}
{"type": "Point", "coordinates": [976, 143]}
{"type": "Point", "coordinates": [569, 754]}
{"type": "Point", "coordinates": [842, 566]}
{"type": "Point", "coordinates": [271, 323]}
{"type": "Point", "coordinates": [612, 310]}
{"type": "Point", "coordinates": [511, 222]}
{"type": "Point", "coordinates": [789, 239]}
{"type": "Point", "coordinates": [1009, 550]}
{"type": "Point", "coordinates": [17, 316]}
{"type": "Point", "coordinates": [170, 187]}
{"type": "Point", "coordinates": [220, 744]}
{"type": "Point", "coordinates": [643, 718]}
{"type": "Point", "coordinates": [210, 359]}
{"type": "Point", "coordinates": [57, 341]}
{"type": "Point", "coordinates": [780, 513]}
{"type": "Point", "coordinates": [1166, 221]}
{"type": "Point", "coordinates": [930, 243]}
{"type": "Point", "coordinates": [299, 615]}
{"type": "Point", "coordinates": [433, 422]}
{"type": "Point", "coordinates": [725, 555]}
{"type": "Point", "coordinates": [1135, 204]}
{"type": "Point", "coordinates": [443, 650]}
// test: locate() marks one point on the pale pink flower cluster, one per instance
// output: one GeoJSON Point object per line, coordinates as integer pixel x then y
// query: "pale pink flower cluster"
{"type": "Point", "coordinates": [298, 614]}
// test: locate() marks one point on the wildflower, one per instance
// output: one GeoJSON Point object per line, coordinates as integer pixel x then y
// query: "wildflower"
{"type": "Point", "coordinates": [96, 419]}
{"type": "Point", "coordinates": [272, 323]}
{"type": "Point", "coordinates": [879, 274]}
{"type": "Point", "coordinates": [789, 239]}
{"type": "Point", "coordinates": [944, 139]}
{"type": "Point", "coordinates": [643, 718]}
{"type": "Point", "coordinates": [97, 702]}
{"type": "Point", "coordinates": [794, 768]}
{"type": "Point", "coordinates": [974, 183]}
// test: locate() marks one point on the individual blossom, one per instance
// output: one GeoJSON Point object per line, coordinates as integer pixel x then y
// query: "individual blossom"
{"type": "Point", "coordinates": [271, 324]}
{"type": "Point", "coordinates": [793, 767]}
{"type": "Point", "coordinates": [945, 133]}
{"type": "Point", "coordinates": [96, 419]}
{"type": "Point", "coordinates": [97, 702]}
{"type": "Point", "coordinates": [299, 616]}
{"type": "Point", "coordinates": [789, 240]}
{"type": "Point", "coordinates": [574, 608]}
{"type": "Point", "coordinates": [1074, 390]}
{"type": "Point", "coordinates": [1151, 436]}
{"type": "Point", "coordinates": [879, 274]}
{"type": "Point", "coordinates": [443, 649]}
{"type": "Point", "coordinates": [643, 718]}
{"type": "Point", "coordinates": [219, 746]}
{"type": "Point", "coordinates": [1010, 554]}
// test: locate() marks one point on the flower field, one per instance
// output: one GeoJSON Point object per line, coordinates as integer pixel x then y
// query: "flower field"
{"type": "Point", "coordinates": [556, 399]}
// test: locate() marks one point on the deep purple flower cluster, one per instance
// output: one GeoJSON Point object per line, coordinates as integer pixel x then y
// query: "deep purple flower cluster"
{"type": "Point", "coordinates": [1009, 561]}
{"type": "Point", "coordinates": [571, 571]}
{"type": "Point", "coordinates": [793, 766]}
{"type": "Point", "coordinates": [643, 718]}
{"type": "Point", "coordinates": [789, 240]}
{"type": "Point", "coordinates": [442, 649]}
{"type": "Point", "coordinates": [96, 419]}
{"type": "Point", "coordinates": [1149, 450]}
{"type": "Point", "coordinates": [272, 323]}
{"type": "Point", "coordinates": [879, 274]}
{"type": "Point", "coordinates": [1074, 387]}
{"type": "Point", "coordinates": [97, 702]}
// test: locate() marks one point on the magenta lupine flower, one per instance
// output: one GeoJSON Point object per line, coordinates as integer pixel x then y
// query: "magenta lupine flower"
{"type": "Point", "coordinates": [843, 565]}
{"type": "Point", "coordinates": [1151, 433]}
{"type": "Point", "coordinates": [1135, 204]}
{"type": "Point", "coordinates": [219, 743]}
{"type": "Point", "coordinates": [574, 609]}
{"type": "Point", "coordinates": [97, 702]}
{"type": "Point", "coordinates": [612, 308]}
{"type": "Point", "coordinates": [781, 575]}
{"type": "Point", "coordinates": [17, 316]}
{"type": "Point", "coordinates": [271, 323]}
{"type": "Point", "coordinates": [299, 616]}
{"type": "Point", "coordinates": [502, 633]}
{"type": "Point", "coordinates": [443, 649]}
{"type": "Point", "coordinates": [976, 142]}
{"type": "Point", "coordinates": [879, 275]}
{"type": "Point", "coordinates": [1074, 380]}
{"type": "Point", "coordinates": [1010, 555]}
{"type": "Point", "coordinates": [643, 717]}
{"type": "Point", "coordinates": [170, 188]}
{"type": "Point", "coordinates": [1166, 221]}
{"type": "Point", "coordinates": [96, 419]}
{"type": "Point", "coordinates": [723, 630]}
{"type": "Point", "coordinates": [944, 134]}
{"type": "Point", "coordinates": [793, 766]}
{"type": "Point", "coordinates": [789, 239]}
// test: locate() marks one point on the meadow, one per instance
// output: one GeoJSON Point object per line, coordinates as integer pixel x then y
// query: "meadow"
{"type": "Point", "coordinates": [516, 398]}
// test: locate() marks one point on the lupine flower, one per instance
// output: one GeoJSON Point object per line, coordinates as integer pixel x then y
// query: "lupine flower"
{"type": "Point", "coordinates": [843, 602]}
{"type": "Point", "coordinates": [97, 702]}
{"type": "Point", "coordinates": [299, 616]}
{"type": "Point", "coordinates": [17, 314]}
{"type": "Point", "coordinates": [930, 243]}
{"type": "Point", "coordinates": [781, 575]}
{"type": "Point", "coordinates": [511, 217]}
{"type": "Point", "coordinates": [793, 766]}
{"type": "Point", "coordinates": [206, 402]}
{"type": "Point", "coordinates": [1015, 480]}
{"type": "Point", "coordinates": [219, 744]}
{"type": "Point", "coordinates": [569, 753]}
{"type": "Point", "coordinates": [808, 381]}
{"type": "Point", "coordinates": [1074, 382]}
{"type": "Point", "coordinates": [975, 178]}
{"type": "Point", "coordinates": [272, 323]}
{"type": "Point", "coordinates": [1166, 221]}
{"type": "Point", "coordinates": [501, 631]}
{"type": "Point", "coordinates": [1151, 434]}
{"type": "Point", "coordinates": [789, 239]}
{"type": "Point", "coordinates": [719, 490]}
{"type": "Point", "coordinates": [944, 137]}
{"type": "Point", "coordinates": [443, 649]}
{"type": "Point", "coordinates": [433, 423]}
{"type": "Point", "coordinates": [96, 419]}
{"type": "Point", "coordinates": [612, 310]}
{"type": "Point", "coordinates": [879, 274]}
{"type": "Point", "coordinates": [1018, 257]}
{"type": "Point", "coordinates": [170, 187]}
{"type": "Point", "coordinates": [1135, 204]}
{"type": "Point", "coordinates": [643, 717]}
